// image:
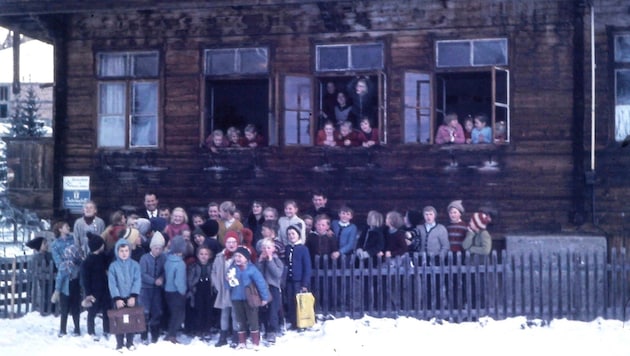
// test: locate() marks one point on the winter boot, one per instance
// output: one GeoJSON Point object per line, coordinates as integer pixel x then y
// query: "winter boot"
{"type": "Point", "coordinates": [234, 342]}
{"type": "Point", "coordinates": [271, 337]}
{"type": "Point", "coordinates": [242, 339]}
{"type": "Point", "coordinates": [155, 334]}
{"type": "Point", "coordinates": [256, 339]}
{"type": "Point", "coordinates": [222, 338]}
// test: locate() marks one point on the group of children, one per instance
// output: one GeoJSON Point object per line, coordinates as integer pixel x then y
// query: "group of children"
{"type": "Point", "coordinates": [250, 137]}
{"type": "Point", "coordinates": [475, 130]}
{"type": "Point", "coordinates": [196, 275]}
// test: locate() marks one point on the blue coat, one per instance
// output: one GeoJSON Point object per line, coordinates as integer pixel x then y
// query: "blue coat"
{"type": "Point", "coordinates": [347, 238]}
{"type": "Point", "coordinates": [298, 262]}
{"type": "Point", "coordinates": [124, 276]}
{"type": "Point", "coordinates": [175, 274]}
{"type": "Point", "coordinates": [250, 274]}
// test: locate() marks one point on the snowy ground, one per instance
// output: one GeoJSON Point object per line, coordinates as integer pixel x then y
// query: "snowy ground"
{"type": "Point", "coordinates": [36, 335]}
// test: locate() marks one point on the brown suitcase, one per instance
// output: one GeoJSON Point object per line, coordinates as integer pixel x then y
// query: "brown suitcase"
{"type": "Point", "coordinates": [126, 320]}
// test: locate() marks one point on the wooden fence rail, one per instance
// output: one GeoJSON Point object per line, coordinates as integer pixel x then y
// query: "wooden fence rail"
{"type": "Point", "coordinates": [576, 286]}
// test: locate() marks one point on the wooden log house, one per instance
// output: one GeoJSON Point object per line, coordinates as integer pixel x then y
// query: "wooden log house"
{"type": "Point", "coordinates": [140, 84]}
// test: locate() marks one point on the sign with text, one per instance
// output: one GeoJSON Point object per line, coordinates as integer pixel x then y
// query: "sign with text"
{"type": "Point", "coordinates": [76, 191]}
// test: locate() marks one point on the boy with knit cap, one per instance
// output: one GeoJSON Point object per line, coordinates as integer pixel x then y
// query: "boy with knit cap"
{"type": "Point", "coordinates": [456, 227]}
{"type": "Point", "coordinates": [242, 273]}
{"type": "Point", "coordinates": [478, 240]}
{"type": "Point", "coordinates": [152, 271]}
{"type": "Point", "coordinates": [175, 287]}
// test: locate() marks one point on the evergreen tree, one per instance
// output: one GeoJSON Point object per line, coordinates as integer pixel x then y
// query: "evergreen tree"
{"type": "Point", "coordinates": [25, 117]}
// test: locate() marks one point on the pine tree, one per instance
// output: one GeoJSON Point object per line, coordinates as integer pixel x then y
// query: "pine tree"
{"type": "Point", "coordinates": [25, 117]}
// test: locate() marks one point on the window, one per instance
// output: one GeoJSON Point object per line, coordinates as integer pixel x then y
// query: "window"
{"type": "Point", "coordinates": [622, 86]}
{"type": "Point", "coordinates": [417, 106]}
{"type": "Point", "coordinates": [472, 53]}
{"type": "Point", "coordinates": [298, 110]}
{"type": "Point", "coordinates": [232, 75]}
{"type": "Point", "coordinates": [128, 97]}
{"type": "Point", "coordinates": [471, 84]}
{"type": "Point", "coordinates": [227, 61]}
{"type": "Point", "coordinates": [349, 57]}
{"type": "Point", "coordinates": [4, 102]}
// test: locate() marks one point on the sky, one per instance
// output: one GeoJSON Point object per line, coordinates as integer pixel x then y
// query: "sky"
{"type": "Point", "coordinates": [36, 62]}
{"type": "Point", "coordinates": [35, 335]}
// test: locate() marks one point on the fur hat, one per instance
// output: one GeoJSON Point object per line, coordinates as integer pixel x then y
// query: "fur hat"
{"type": "Point", "coordinates": [457, 204]}
{"type": "Point", "coordinates": [178, 245]}
{"type": "Point", "coordinates": [414, 217]}
{"type": "Point", "coordinates": [36, 243]}
{"type": "Point", "coordinates": [232, 234]}
{"type": "Point", "coordinates": [244, 251]}
{"type": "Point", "coordinates": [248, 236]}
{"type": "Point", "coordinates": [95, 241]}
{"type": "Point", "coordinates": [210, 228]}
{"type": "Point", "coordinates": [157, 240]}
{"type": "Point", "coordinates": [144, 226]}
{"type": "Point", "coordinates": [479, 221]}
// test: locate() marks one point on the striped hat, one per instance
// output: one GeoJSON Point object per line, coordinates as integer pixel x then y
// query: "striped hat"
{"type": "Point", "coordinates": [479, 221]}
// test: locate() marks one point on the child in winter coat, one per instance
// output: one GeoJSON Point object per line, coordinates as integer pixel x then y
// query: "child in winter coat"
{"type": "Point", "coordinates": [298, 262]}
{"type": "Point", "coordinates": [124, 281]}
{"type": "Point", "coordinates": [239, 276]}
{"type": "Point", "coordinates": [67, 258]}
{"type": "Point", "coordinates": [201, 291]}
{"type": "Point", "coordinates": [152, 272]}
{"type": "Point", "coordinates": [175, 287]}
{"type": "Point", "coordinates": [94, 281]}
{"type": "Point", "coordinates": [219, 268]}
{"type": "Point", "coordinates": [271, 267]}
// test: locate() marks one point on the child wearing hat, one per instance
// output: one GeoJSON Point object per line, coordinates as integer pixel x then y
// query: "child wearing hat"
{"type": "Point", "coordinates": [478, 240]}
{"type": "Point", "coordinates": [298, 262]}
{"type": "Point", "coordinates": [152, 272]}
{"type": "Point", "coordinates": [41, 261]}
{"type": "Point", "coordinates": [124, 282]}
{"type": "Point", "coordinates": [175, 287]}
{"type": "Point", "coordinates": [456, 227]}
{"type": "Point", "coordinates": [240, 274]}
{"type": "Point", "coordinates": [94, 281]}
{"type": "Point", "coordinates": [223, 300]}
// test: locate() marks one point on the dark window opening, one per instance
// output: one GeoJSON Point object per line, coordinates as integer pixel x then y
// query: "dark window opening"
{"type": "Point", "coordinates": [237, 104]}
{"type": "Point", "coordinates": [356, 106]}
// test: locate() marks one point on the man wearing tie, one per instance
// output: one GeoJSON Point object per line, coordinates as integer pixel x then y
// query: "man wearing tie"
{"type": "Point", "coordinates": [150, 205]}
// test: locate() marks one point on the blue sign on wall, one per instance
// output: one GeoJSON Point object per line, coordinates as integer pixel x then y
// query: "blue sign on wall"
{"type": "Point", "coordinates": [76, 191]}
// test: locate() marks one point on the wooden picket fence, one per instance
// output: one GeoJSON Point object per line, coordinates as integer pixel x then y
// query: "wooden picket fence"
{"type": "Point", "coordinates": [575, 286]}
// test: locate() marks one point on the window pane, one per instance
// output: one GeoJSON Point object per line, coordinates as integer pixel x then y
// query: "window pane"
{"type": "Point", "coordinates": [622, 49]}
{"type": "Point", "coordinates": [4, 111]}
{"type": "Point", "coordinates": [220, 61]}
{"type": "Point", "coordinates": [144, 120]}
{"type": "Point", "coordinates": [145, 65]}
{"type": "Point", "coordinates": [112, 65]}
{"type": "Point", "coordinates": [111, 124]}
{"type": "Point", "coordinates": [489, 52]}
{"type": "Point", "coordinates": [297, 93]}
{"type": "Point", "coordinates": [253, 60]}
{"type": "Point", "coordinates": [622, 107]}
{"type": "Point", "coordinates": [112, 99]}
{"type": "Point", "coordinates": [111, 131]}
{"type": "Point", "coordinates": [4, 93]}
{"type": "Point", "coordinates": [417, 108]}
{"type": "Point", "coordinates": [367, 56]}
{"type": "Point", "coordinates": [453, 54]}
{"type": "Point", "coordinates": [332, 58]}
{"type": "Point", "coordinates": [291, 127]}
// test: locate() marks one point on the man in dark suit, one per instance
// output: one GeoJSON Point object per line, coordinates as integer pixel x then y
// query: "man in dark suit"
{"type": "Point", "coordinates": [150, 206]}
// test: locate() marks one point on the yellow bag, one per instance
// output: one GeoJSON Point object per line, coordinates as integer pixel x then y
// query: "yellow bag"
{"type": "Point", "coordinates": [305, 305]}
